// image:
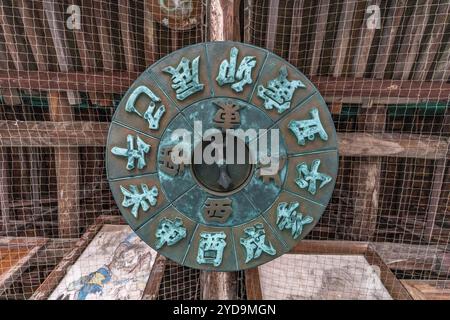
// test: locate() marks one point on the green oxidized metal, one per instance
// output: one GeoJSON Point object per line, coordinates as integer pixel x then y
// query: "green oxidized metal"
{"type": "Point", "coordinates": [225, 215]}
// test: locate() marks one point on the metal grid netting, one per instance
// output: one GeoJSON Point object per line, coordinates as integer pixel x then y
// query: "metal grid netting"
{"type": "Point", "coordinates": [53, 191]}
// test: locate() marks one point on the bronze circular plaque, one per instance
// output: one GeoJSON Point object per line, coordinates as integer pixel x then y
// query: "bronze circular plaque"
{"type": "Point", "coordinates": [222, 156]}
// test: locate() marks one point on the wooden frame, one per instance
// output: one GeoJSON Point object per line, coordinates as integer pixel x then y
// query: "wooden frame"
{"type": "Point", "coordinates": [392, 284]}
{"type": "Point", "coordinates": [33, 245]}
{"type": "Point", "coordinates": [51, 282]}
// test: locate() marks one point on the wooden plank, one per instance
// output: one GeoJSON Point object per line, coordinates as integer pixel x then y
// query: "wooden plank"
{"type": "Point", "coordinates": [32, 26]}
{"type": "Point", "coordinates": [341, 44]}
{"type": "Point", "coordinates": [392, 145]}
{"type": "Point", "coordinates": [52, 134]}
{"type": "Point", "coordinates": [218, 285]}
{"type": "Point", "coordinates": [319, 35]}
{"type": "Point", "coordinates": [367, 176]}
{"type": "Point", "coordinates": [272, 24]}
{"type": "Point", "coordinates": [128, 40]}
{"type": "Point", "coordinates": [154, 281]}
{"type": "Point", "coordinates": [4, 192]}
{"type": "Point", "coordinates": [224, 20]}
{"type": "Point", "coordinates": [412, 40]}
{"type": "Point", "coordinates": [21, 133]}
{"type": "Point", "coordinates": [56, 21]}
{"type": "Point", "coordinates": [363, 48]}
{"type": "Point", "coordinates": [389, 33]}
{"type": "Point", "coordinates": [150, 36]}
{"type": "Point", "coordinates": [85, 38]}
{"type": "Point", "coordinates": [341, 88]}
{"type": "Point", "coordinates": [296, 28]}
{"type": "Point", "coordinates": [392, 284]}
{"type": "Point", "coordinates": [329, 247]}
{"type": "Point", "coordinates": [252, 284]}
{"type": "Point", "coordinates": [428, 54]}
{"type": "Point", "coordinates": [7, 278]}
{"type": "Point", "coordinates": [67, 172]}
{"type": "Point", "coordinates": [409, 257]}
{"type": "Point", "coordinates": [10, 96]}
{"type": "Point", "coordinates": [428, 289]}
{"type": "Point", "coordinates": [442, 68]}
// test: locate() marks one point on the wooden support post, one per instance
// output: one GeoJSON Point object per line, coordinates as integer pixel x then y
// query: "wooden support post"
{"type": "Point", "coordinates": [67, 173]}
{"type": "Point", "coordinates": [437, 183]}
{"type": "Point", "coordinates": [367, 175]}
{"type": "Point", "coordinates": [272, 24]}
{"type": "Point", "coordinates": [218, 285]}
{"type": "Point", "coordinates": [221, 15]}
{"type": "Point", "coordinates": [4, 192]}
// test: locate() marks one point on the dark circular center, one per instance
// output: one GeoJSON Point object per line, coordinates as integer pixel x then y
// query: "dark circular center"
{"type": "Point", "coordinates": [227, 176]}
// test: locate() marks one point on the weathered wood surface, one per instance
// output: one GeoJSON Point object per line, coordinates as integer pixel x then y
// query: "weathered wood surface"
{"type": "Point", "coordinates": [218, 285]}
{"type": "Point", "coordinates": [252, 284]}
{"type": "Point", "coordinates": [67, 172]}
{"type": "Point", "coordinates": [154, 280]}
{"type": "Point", "coordinates": [14, 259]}
{"type": "Point", "coordinates": [389, 32]}
{"type": "Point", "coordinates": [341, 44]}
{"type": "Point", "coordinates": [319, 36]}
{"type": "Point", "coordinates": [44, 133]}
{"type": "Point", "coordinates": [392, 145]}
{"type": "Point", "coordinates": [367, 176]}
{"type": "Point", "coordinates": [52, 134]}
{"type": "Point", "coordinates": [337, 87]}
{"type": "Point", "coordinates": [428, 289]}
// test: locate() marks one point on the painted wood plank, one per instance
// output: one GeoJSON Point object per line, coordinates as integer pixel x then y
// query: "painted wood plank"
{"type": "Point", "coordinates": [296, 28]}
{"type": "Point", "coordinates": [128, 37]}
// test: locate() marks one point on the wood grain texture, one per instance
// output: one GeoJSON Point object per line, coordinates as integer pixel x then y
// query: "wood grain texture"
{"type": "Point", "coordinates": [428, 289]}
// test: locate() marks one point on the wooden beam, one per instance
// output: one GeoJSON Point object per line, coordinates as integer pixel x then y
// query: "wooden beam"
{"type": "Point", "coordinates": [86, 41]}
{"type": "Point", "coordinates": [389, 33]}
{"type": "Point", "coordinates": [67, 172]}
{"type": "Point", "coordinates": [223, 20]}
{"type": "Point", "coordinates": [412, 40]}
{"type": "Point", "coordinates": [363, 48]}
{"type": "Point", "coordinates": [367, 176]}
{"type": "Point", "coordinates": [4, 192]}
{"type": "Point", "coordinates": [154, 280]}
{"type": "Point", "coordinates": [343, 36]}
{"type": "Point", "coordinates": [319, 35]}
{"type": "Point", "coordinates": [45, 133]}
{"type": "Point", "coordinates": [253, 284]}
{"type": "Point", "coordinates": [428, 289]}
{"type": "Point", "coordinates": [434, 41]}
{"type": "Point", "coordinates": [55, 19]}
{"type": "Point", "coordinates": [296, 29]}
{"type": "Point", "coordinates": [150, 36]}
{"type": "Point", "coordinates": [52, 134]}
{"type": "Point", "coordinates": [128, 40]}
{"type": "Point", "coordinates": [339, 88]}
{"type": "Point", "coordinates": [392, 145]}
{"type": "Point", "coordinates": [272, 24]}
{"type": "Point", "coordinates": [218, 285]}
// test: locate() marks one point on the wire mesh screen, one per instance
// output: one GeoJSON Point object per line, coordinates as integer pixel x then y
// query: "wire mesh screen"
{"type": "Point", "coordinates": [383, 68]}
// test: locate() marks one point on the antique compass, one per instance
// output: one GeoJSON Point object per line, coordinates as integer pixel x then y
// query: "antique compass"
{"type": "Point", "coordinates": [237, 211]}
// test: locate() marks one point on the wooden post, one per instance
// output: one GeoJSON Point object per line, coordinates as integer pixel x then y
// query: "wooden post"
{"type": "Point", "coordinates": [221, 15]}
{"type": "Point", "coordinates": [367, 173]}
{"type": "Point", "coordinates": [4, 192]}
{"type": "Point", "coordinates": [67, 173]}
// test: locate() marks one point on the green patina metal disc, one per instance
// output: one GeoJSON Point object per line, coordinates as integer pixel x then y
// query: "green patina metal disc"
{"type": "Point", "coordinates": [225, 215]}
